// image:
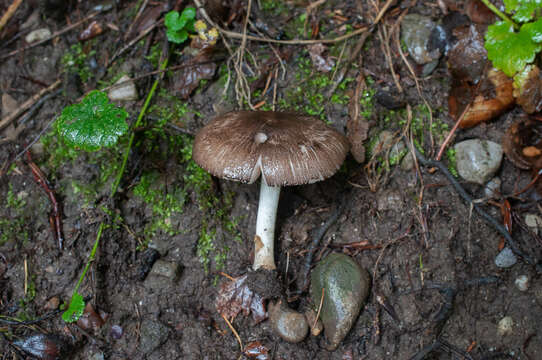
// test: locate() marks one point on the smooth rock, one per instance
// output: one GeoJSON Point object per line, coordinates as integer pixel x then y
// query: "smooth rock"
{"type": "Point", "coordinates": [506, 326]}
{"type": "Point", "coordinates": [506, 258]}
{"type": "Point", "coordinates": [9, 104]}
{"type": "Point", "coordinates": [124, 92]}
{"type": "Point", "coordinates": [38, 35]}
{"type": "Point", "coordinates": [493, 187]}
{"type": "Point", "coordinates": [166, 269]}
{"type": "Point", "coordinates": [522, 283]}
{"type": "Point", "coordinates": [152, 335]}
{"type": "Point", "coordinates": [415, 32]}
{"type": "Point", "coordinates": [534, 222]}
{"type": "Point", "coordinates": [346, 287]}
{"type": "Point", "coordinates": [287, 323]}
{"type": "Point", "coordinates": [478, 160]}
{"type": "Point", "coordinates": [407, 163]}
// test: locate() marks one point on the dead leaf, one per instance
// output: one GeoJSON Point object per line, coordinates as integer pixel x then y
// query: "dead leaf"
{"type": "Point", "coordinates": [522, 143]}
{"type": "Point", "coordinates": [90, 320]}
{"type": "Point", "coordinates": [491, 98]}
{"type": "Point", "coordinates": [321, 63]}
{"type": "Point", "coordinates": [149, 18]}
{"type": "Point", "coordinates": [357, 127]}
{"type": "Point", "coordinates": [198, 68]}
{"type": "Point", "coordinates": [256, 349]}
{"type": "Point", "coordinates": [91, 31]}
{"type": "Point", "coordinates": [235, 296]}
{"type": "Point", "coordinates": [528, 89]}
{"type": "Point", "coordinates": [479, 13]}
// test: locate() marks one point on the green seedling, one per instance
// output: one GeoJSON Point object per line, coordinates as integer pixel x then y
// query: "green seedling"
{"type": "Point", "coordinates": [179, 25]}
{"type": "Point", "coordinates": [514, 42]}
{"type": "Point", "coordinates": [92, 124]}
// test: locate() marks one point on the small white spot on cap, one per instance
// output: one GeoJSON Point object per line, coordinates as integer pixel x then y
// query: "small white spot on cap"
{"type": "Point", "coordinates": [260, 138]}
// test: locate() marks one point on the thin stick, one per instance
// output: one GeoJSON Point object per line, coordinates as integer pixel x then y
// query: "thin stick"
{"type": "Point", "coordinates": [234, 332]}
{"type": "Point", "coordinates": [58, 33]}
{"type": "Point", "coordinates": [25, 276]}
{"type": "Point", "coordinates": [236, 35]}
{"type": "Point", "coordinates": [319, 308]}
{"type": "Point", "coordinates": [9, 13]}
{"type": "Point", "coordinates": [27, 104]}
{"type": "Point", "coordinates": [452, 132]}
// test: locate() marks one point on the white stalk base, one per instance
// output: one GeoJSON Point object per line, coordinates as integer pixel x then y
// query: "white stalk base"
{"type": "Point", "coordinates": [265, 227]}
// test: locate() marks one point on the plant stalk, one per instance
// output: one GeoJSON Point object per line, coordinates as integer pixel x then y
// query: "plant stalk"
{"type": "Point", "coordinates": [500, 14]}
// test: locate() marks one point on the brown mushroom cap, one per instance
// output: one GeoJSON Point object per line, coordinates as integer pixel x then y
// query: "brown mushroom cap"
{"type": "Point", "coordinates": [285, 148]}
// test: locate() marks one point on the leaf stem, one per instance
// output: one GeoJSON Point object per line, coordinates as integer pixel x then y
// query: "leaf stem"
{"type": "Point", "coordinates": [500, 13]}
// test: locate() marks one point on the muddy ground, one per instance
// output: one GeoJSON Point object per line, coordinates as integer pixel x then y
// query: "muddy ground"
{"type": "Point", "coordinates": [427, 247]}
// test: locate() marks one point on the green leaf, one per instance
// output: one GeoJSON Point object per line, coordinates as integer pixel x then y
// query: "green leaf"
{"type": "Point", "coordinates": [523, 9]}
{"type": "Point", "coordinates": [177, 37]}
{"type": "Point", "coordinates": [510, 51]}
{"type": "Point", "coordinates": [534, 30]}
{"type": "Point", "coordinates": [189, 13]}
{"type": "Point", "coordinates": [75, 310]}
{"type": "Point", "coordinates": [173, 21]}
{"type": "Point", "coordinates": [92, 124]}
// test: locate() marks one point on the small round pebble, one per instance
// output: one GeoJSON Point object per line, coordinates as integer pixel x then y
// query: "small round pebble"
{"type": "Point", "coordinates": [506, 258]}
{"type": "Point", "coordinates": [287, 323]}
{"type": "Point", "coordinates": [505, 326]}
{"type": "Point", "coordinates": [522, 283]}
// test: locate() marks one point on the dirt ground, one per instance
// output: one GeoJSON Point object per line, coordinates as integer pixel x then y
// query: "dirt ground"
{"type": "Point", "coordinates": [432, 259]}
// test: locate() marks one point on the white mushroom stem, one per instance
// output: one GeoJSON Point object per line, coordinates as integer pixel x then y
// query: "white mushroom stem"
{"type": "Point", "coordinates": [265, 227]}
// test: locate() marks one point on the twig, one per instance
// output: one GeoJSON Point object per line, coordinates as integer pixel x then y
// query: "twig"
{"type": "Point", "coordinates": [9, 13]}
{"type": "Point", "coordinates": [55, 217]}
{"type": "Point", "coordinates": [234, 332]}
{"type": "Point", "coordinates": [483, 214]}
{"type": "Point", "coordinates": [236, 35]}
{"type": "Point", "coordinates": [27, 104]}
{"type": "Point", "coordinates": [58, 33]}
{"type": "Point", "coordinates": [319, 308]}
{"type": "Point", "coordinates": [4, 320]}
{"type": "Point", "coordinates": [134, 41]}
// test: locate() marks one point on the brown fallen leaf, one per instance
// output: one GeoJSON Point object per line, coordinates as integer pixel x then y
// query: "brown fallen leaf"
{"type": "Point", "coordinates": [257, 350]}
{"type": "Point", "coordinates": [528, 89]}
{"type": "Point", "coordinates": [491, 98]}
{"type": "Point", "coordinates": [187, 79]}
{"type": "Point", "coordinates": [235, 296]}
{"type": "Point", "coordinates": [357, 127]}
{"type": "Point", "coordinates": [90, 320]}
{"type": "Point", "coordinates": [321, 63]}
{"type": "Point", "coordinates": [91, 31]}
{"type": "Point", "coordinates": [479, 13]}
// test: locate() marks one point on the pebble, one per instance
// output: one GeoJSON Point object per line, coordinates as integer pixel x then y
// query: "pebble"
{"type": "Point", "coordinates": [407, 163]}
{"type": "Point", "coordinates": [506, 326]}
{"type": "Point", "coordinates": [38, 35]}
{"type": "Point", "coordinates": [522, 283]}
{"type": "Point", "coordinates": [124, 92]}
{"type": "Point", "coordinates": [346, 286]}
{"type": "Point", "coordinates": [287, 323]}
{"type": "Point", "coordinates": [166, 269]}
{"type": "Point", "coordinates": [152, 335]}
{"type": "Point", "coordinates": [9, 104]}
{"type": "Point", "coordinates": [506, 258]}
{"type": "Point", "coordinates": [493, 187]}
{"type": "Point", "coordinates": [534, 222]}
{"type": "Point", "coordinates": [415, 32]}
{"type": "Point", "coordinates": [478, 160]}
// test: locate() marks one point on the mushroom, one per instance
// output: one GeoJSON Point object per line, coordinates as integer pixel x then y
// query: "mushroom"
{"type": "Point", "coordinates": [284, 148]}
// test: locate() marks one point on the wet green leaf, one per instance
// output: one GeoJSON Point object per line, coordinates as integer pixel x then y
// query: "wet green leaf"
{"type": "Point", "coordinates": [510, 51]}
{"type": "Point", "coordinates": [178, 25]}
{"type": "Point", "coordinates": [93, 123]}
{"type": "Point", "coordinates": [75, 310]}
{"type": "Point", "coordinates": [523, 9]}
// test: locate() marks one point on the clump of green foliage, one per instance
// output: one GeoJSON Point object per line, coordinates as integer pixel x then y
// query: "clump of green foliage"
{"type": "Point", "coordinates": [514, 42]}
{"type": "Point", "coordinates": [179, 25]}
{"type": "Point", "coordinates": [75, 61]}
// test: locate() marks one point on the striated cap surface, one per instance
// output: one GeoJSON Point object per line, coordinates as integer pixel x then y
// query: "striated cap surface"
{"type": "Point", "coordinates": [284, 148]}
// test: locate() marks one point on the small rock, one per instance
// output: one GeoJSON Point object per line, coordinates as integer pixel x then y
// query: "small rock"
{"type": "Point", "coordinates": [9, 104]}
{"type": "Point", "coordinates": [390, 99]}
{"type": "Point", "coordinates": [506, 258]}
{"type": "Point", "coordinates": [287, 323]}
{"type": "Point", "coordinates": [146, 261]}
{"type": "Point", "coordinates": [534, 222]}
{"type": "Point", "coordinates": [389, 200]}
{"type": "Point", "coordinates": [478, 160]}
{"type": "Point", "coordinates": [166, 269]}
{"type": "Point", "coordinates": [316, 327]}
{"type": "Point", "coordinates": [38, 35]}
{"type": "Point", "coordinates": [346, 286]}
{"type": "Point", "coordinates": [52, 303]}
{"type": "Point", "coordinates": [506, 326]}
{"type": "Point", "coordinates": [522, 283]}
{"type": "Point", "coordinates": [493, 187]}
{"type": "Point", "coordinates": [124, 92]}
{"type": "Point", "coordinates": [407, 163]}
{"type": "Point", "coordinates": [415, 33]}
{"type": "Point", "coordinates": [152, 335]}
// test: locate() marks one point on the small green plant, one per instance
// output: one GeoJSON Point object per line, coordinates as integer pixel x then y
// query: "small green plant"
{"type": "Point", "coordinates": [75, 62]}
{"type": "Point", "coordinates": [179, 25]}
{"type": "Point", "coordinates": [514, 42]}
{"type": "Point", "coordinates": [92, 124]}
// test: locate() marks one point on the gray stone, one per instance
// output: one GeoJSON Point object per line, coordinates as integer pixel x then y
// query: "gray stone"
{"type": "Point", "coordinates": [534, 222]}
{"type": "Point", "coordinates": [506, 326]}
{"type": "Point", "coordinates": [166, 269]}
{"type": "Point", "coordinates": [123, 92]}
{"type": "Point", "coordinates": [38, 35]}
{"type": "Point", "coordinates": [493, 187]}
{"type": "Point", "coordinates": [345, 286]}
{"type": "Point", "coordinates": [506, 258]}
{"type": "Point", "coordinates": [287, 323]}
{"type": "Point", "coordinates": [478, 160]}
{"type": "Point", "coordinates": [407, 163]}
{"type": "Point", "coordinates": [152, 335]}
{"type": "Point", "coordinates": [415, 32]}
{"type": "Point", "coordinates": [522, 283]}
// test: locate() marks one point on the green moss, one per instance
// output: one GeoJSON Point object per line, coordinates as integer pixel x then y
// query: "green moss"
{"type": "Point", "coordinates": [13, 226]}
{"type": "Point", "coordinates": [75, 61]}
{"type": "Point", "coordinates": [452, 161]}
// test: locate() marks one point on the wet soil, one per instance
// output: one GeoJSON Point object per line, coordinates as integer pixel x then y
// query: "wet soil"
{"type": "Point", "coordinates": [433, 262]}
